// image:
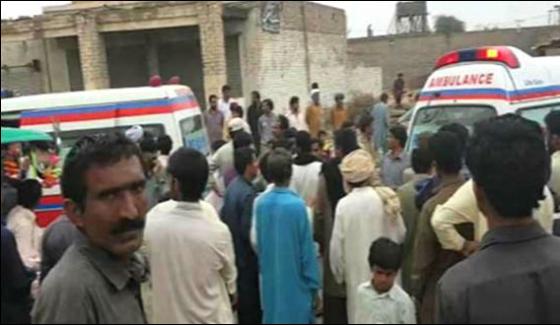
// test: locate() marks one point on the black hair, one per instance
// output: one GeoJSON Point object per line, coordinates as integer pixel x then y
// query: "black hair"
{"type": "Point", "coordinates": [263, 166]}
{"type": "Point", "coordinates": [303, 142]}
{"type": "Point", "coordinates": [385, 254]}
{"type": "Point", "coordinates": [190, 168]}
{"type": "Point", "coordinates": [226, 88]}
{"type": "Point", "coordinates": [446, 150]}
{"type": "Point", "coordinates": [460, 131]}
{"type": "Point", "coordinates": [165, 145]}
{"type": "Point", "coordinates": [242, 139]}
{"type": "Point", "coordinates": [255, 93]}
{"type": "Point", "coordinates": [552, 121]}
{"type": "Point", "coordinates": [217, 145]}
{"type": "Point", "coordinates": [315, 85]}
{"type": "Point", "coordinates": [279, 166]}
{"type": "Point", "coordinates": [269, 103]}
{"type": "Point", "coordinates": [400, 74]}
{"type": "Point", "coordinates": [339, 96]}
{"type": "Point", "coordinates": [212, 97]}
{"type": "Point", "coordinates": [508, 160]}
{"type": "Point", "coordinates": [346, 141]}
{"type": "Point", "coordinates": [234, 107]}
{"type": "Point", "coordinates": [347, 125]}
{"type": "Point", "coordinates": [399, 133]}
{"type": "Point", "coordinates": [384, 97]}
{"type": "Point", "coordinates": [294, 100]}
{"type": "Point", "coordinates": [283, 122]}
{"type": "Point", "coordinates": [316, 141]}
{"type": "Point", "coordinates": [149, 143]}
{"type": "Point", "coordinates": [283, 143]}
{"type": "Point", "coordinates": [364, 122]}
{"type": "Point", "coordinates": [243, 157]}
{"type": "Point", "coordinates": [29, 193]}
{"type": "Point", "coordinates": [89, 151]}
{"type": "Point", "coordinates": [291, 133]}
{"type": "Point", "coordinates": [421, 160]}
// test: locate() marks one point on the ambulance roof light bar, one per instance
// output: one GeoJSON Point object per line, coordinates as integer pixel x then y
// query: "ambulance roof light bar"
{"type": "Point", "coordinates": [495, 54]}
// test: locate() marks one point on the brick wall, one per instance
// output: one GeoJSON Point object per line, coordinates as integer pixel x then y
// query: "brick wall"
{"type": "Point", "coordinates": [92, 53]}
{"type": "Point", "coordinates": [415, 55]}
{"type": "Point", "coordinates": [285, 64]}
{"type": "Point", "coordinates": [213, 45]}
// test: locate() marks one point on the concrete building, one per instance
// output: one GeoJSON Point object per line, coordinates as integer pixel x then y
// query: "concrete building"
{"type": "Point", "coordinates": [276, 47]}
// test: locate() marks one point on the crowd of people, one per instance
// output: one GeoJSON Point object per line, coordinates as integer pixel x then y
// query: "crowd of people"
{"type": "Point", "coordinates": [293, 220]}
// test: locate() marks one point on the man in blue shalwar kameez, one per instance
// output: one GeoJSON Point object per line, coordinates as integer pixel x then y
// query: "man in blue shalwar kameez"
{"type": "Point", "coordinates": [288, 262]}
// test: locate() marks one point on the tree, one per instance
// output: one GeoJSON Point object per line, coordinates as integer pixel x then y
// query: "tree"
{"type": "Point", "coordinates": [449, 24]}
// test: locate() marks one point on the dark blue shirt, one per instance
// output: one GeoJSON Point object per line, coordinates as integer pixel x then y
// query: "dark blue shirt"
{"type": "Point", "coordinates": [237, 214]}
{"type": "Point", "coordinates": [16, 283]}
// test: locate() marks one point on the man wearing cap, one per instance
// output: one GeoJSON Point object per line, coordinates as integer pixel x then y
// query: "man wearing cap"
{"type": "Point", "coordinates": [361, 218]}
{"type": "Point", "coordinates": [223, 158]}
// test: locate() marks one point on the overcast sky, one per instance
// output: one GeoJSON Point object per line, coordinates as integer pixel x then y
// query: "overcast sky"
{"type": "Point", "coordinates": [360, 14]}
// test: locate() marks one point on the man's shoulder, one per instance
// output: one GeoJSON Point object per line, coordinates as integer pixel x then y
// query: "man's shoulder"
{"type": "Point", "coordinates": [73, 273]}
{"type": "Point", "coordinates": [288, 199]}
{"type": "Point", "coordinates": [438, 199]}
{"type": "Point", "coordinates": [62, 225]}
{"type": "Point", "coordinates": [407, 189]}
{"type": "Point", "coordinates": [461, 277]}
{"type": "Point", "coordinates": [368, 194]}
{"type": "Point", "coordinates": [365, 287]}
{"type": "Point", "coordinates": [400, 295]}
{"type": "Point", "coordinates": [458, 278]}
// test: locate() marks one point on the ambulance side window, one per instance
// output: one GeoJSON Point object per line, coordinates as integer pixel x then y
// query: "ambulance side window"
{"type": "Point", "coordinates": [538, 113]}
{"type": "Point", "coordinates": [194, 134]}
{"type": "Point", "coordinates": [69, 138]}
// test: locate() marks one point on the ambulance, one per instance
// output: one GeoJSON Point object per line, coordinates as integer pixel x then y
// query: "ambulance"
{"type": "Point", "coordinates": [474, 84]}
{"type": "Point", "coordinates": [166, 110]}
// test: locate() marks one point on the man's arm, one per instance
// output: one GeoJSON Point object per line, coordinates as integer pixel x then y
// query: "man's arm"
{"type": "Point", "coordinates": [461, 208]}
{"type": "Point", "coordinates": [408, 312]}
{"type": "Point", "coordinates": [229, 270]}
{"type": "Point", "coordinates": [22, 230]}
{"type": "Point", "coordinates": [337, 250]}
{"type": "Point", "coordinates": [308, 255]}
{"type": "Point", "coordinates": [320, 213]}
{"type": "Point", "coordinates": [247, 217]}
{"type": "Point", "coordinates": [423, 254]}
{"type": "Point", "coordinates": [20, 278]}
{"type": "Point", "coordinates": [443, 223]}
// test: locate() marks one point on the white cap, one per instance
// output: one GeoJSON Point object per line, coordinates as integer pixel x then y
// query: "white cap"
{"type": "Point", "coordinates": [236, 124]}
{"type": "Point", "coordinates": [135, 133]}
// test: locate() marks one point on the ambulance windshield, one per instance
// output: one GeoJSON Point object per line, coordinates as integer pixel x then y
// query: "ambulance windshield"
{"type": "Point", "coordinates": [430, 119]}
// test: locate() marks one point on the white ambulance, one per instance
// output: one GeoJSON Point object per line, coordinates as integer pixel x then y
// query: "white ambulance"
{"type": "Point", "coordinates": [475, 84]}
{"type": "Point", "coordinates": [171, 110]}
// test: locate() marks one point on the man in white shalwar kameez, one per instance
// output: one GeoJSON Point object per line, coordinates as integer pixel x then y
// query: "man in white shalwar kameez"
{"type": "Point", "coordinates": [367, 213]}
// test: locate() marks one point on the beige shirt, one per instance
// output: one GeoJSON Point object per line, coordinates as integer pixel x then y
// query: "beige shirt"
{"type": "Point", "coordinates": [462, 208]}
{"type": "Point", "coordinates": [192, 263]}
{"type": "Point", "coordinates": [22, 223]}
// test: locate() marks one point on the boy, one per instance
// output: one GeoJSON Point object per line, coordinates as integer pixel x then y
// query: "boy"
{"type": "Point", "coordinates": [381, 301]}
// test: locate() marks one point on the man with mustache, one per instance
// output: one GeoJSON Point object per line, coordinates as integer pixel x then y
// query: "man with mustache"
{"type": "Point", "coordinates": [98, 279]}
